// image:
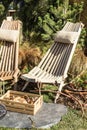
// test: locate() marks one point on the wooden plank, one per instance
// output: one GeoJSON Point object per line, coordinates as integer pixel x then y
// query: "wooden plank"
{"type": "Point", "coordinates": [13, 57]}
{"type": "Point", "coordinates": [17, 105]}
{"type": "Point", "coordinates": [45, 57]}
{"type": "Point", "coordinates": [13, 105]}
{"type": "Point", "coordinates": [2, 56]}
{"type": "Point", "coordinates": [49, 59]}
{"type": "Point", "coordinates": [22, 93]}
{"type": "Point", "coordinates": [16, 56]}
{"type": "Point", "coordinates": [6, 58]}
{"type": "Point", "coordinates": [10, 59]}
{"type": "Point", "coordinates": [59, 52]}
{"type": "Point", "coordinates": [20, 111]}
{"type": "Point", "coordinates": [1, 51]}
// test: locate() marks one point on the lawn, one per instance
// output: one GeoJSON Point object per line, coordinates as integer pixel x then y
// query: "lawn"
{"type": "Point", "coordinates": [73, 120]}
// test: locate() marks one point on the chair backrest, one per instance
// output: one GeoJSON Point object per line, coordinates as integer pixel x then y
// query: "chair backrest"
{"type": "Point", "coordinates": [9, 50]}
{"type": "Point", "coordinates": [58, 58]}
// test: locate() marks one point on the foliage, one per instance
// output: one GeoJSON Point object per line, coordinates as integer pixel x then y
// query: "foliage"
{"type": "Point", "coordinates": [81, 82]}
{"type": "Point", "coordinates": [51, 17]}
{"type": "Point", "coordinates": [72, 121]}
{"type": "Point", "coordinates": [56, 17]}
{"type": "Point", "coordinates": [46, 17]}
{"type": "Point", "coordinates": [1, 8]}
{"type": "Point", "coordinates": [83, 39]}
{"type": "Point", "coordinates": [42, 19]}
{"type": "Point", "coordinates": [4, 5]}
{"type": "Point", "coordinates": [29, 56]}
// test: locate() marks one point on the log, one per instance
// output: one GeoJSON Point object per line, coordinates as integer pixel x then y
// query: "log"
{"type": "Point", "coordinates": [76, 92]}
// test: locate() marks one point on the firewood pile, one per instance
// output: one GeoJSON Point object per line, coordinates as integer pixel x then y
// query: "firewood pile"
{"type": "Point", "coordinates": [73, 97]}
{"type": "Point", "coordinates": [21, 99]}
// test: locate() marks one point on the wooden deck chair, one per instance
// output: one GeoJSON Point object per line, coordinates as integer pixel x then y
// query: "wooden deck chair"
{"type": "Point", "coordinates": [9, 45]}
{"type": "Point", "coordinates": [54, 66]}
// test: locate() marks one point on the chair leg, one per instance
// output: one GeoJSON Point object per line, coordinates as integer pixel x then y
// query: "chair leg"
{"type": "Point", "coordinates": [15, 83]}
{"type": "Point", "coordinates": [58, 92]}
{"type": "Point", "coordinates": [25, 85]}
{"type": "Point", "coordinates": [39, 87]}
{"type": "Point", "coordinates": [2, 89]}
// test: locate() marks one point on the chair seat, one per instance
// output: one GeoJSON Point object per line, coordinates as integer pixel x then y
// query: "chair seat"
{"type": "Point", "coordinates": [6, 75]}
{"type": "Point", "coordinates": [39, 75]}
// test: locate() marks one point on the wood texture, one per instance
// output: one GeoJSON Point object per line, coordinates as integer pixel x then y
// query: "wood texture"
{"type": "Point", "coordinates": [9, 52]}
{"type": "Point", "coordinates": [55, 64]}
{"type": "Point", "coordinates": [15, 106]}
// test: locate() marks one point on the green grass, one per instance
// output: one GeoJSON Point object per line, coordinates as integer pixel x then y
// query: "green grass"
{"type": "Point", "coordinates": [73, 120]}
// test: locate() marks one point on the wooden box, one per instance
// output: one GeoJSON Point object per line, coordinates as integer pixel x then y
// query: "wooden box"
{"type": "Point", "coordinates": [27, 103]}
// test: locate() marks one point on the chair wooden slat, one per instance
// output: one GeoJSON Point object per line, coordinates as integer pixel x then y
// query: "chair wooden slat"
{"type": "Point", "coordinates": [49, 59]}
{"type": "Point", "coordinates": [2, 56]}
{"type": "Point", "coordinates": [46, 57]}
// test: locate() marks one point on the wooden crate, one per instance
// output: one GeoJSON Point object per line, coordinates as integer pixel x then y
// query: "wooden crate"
{"type": "Point", "coordinates": [30, 105]}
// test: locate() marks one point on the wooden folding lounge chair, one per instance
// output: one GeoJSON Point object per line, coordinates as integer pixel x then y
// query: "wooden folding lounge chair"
{"type": "Point", "coordinates": [9, 44]}
{"type": "Point", "coordinates": [54, 66]}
